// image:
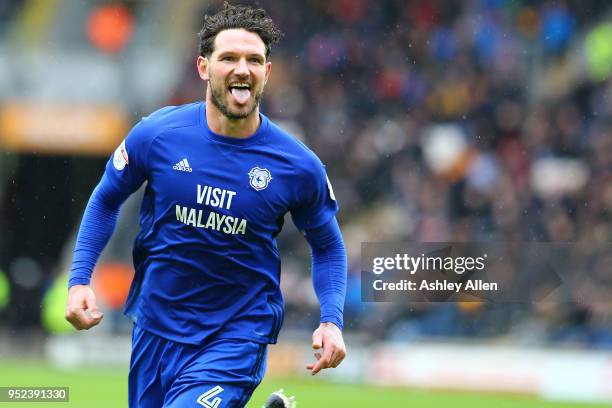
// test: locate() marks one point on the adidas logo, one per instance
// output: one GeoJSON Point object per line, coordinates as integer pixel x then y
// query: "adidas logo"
{"type": "Point", "coordinates": [183, 165]}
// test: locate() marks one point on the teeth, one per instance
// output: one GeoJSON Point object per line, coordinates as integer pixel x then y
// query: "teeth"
{"type": "Point", "coordinates": [240, 85]}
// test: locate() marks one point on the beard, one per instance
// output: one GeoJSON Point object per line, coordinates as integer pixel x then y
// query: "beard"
{"type": "Point", "coordinates": [219, 100]}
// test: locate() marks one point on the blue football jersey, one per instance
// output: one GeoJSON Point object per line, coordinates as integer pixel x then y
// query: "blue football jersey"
{"type": "Point", "coordinates": [206, 260]}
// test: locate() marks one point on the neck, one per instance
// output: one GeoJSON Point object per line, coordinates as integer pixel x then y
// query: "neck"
{"type": "Point", "coordinates": [222, 125]}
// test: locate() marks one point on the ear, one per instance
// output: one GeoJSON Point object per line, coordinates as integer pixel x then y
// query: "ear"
{"type": "Point", "coordinates": [268, 70]}
{"type": "Point", "coordinates": [202, 64]}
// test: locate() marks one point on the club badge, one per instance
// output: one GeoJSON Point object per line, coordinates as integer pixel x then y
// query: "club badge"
{"type": "Point", "coordinates": [259, 178]}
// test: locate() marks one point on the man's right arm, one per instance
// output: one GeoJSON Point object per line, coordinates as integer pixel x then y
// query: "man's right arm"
{"type": "Point", "coordinates": [125, 173]}
{"type": "Point", "coordinates": [97, 226]}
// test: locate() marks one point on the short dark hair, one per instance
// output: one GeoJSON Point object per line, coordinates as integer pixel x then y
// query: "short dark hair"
{"type": "Point", "coordinates": [251, 19]}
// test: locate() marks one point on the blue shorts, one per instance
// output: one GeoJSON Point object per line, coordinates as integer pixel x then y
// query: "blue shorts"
{"type": "Point", "coordinates": [222, 373]}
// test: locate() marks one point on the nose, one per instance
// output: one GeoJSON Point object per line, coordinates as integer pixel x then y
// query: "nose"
{"type": "Point", "coordinates": [242, 67]}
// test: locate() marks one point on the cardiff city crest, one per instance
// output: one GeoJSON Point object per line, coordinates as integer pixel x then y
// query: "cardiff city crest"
{"type": "Point", "coordinates": [259, 178]}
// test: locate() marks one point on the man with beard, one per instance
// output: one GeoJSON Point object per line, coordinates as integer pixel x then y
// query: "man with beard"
{"type": "Point", "coordinates": [220, 176]}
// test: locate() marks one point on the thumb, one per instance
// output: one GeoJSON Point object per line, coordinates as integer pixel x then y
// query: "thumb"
{"type": "Point", "coordinates": [317, 340]}
{"type": "Point", "coordinates": [93, 308]}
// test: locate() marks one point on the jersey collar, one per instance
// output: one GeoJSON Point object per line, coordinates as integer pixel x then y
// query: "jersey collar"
{"type": "Point", "coordinates": [240, 141]}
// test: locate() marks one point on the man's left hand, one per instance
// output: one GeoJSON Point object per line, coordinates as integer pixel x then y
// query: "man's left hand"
{"type": "Point", "coordinates": [329, 338]}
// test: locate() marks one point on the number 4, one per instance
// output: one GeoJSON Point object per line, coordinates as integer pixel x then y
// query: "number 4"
{"type": "Point", "coordinates": [205, 399]}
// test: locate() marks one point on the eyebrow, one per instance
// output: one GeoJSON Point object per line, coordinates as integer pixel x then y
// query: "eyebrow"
{"type": "Point", "coordinates": [257, 55]}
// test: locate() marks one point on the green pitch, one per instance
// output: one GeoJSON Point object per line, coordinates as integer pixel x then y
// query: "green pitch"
{"type": "Point", "coordinates": [93, 388]}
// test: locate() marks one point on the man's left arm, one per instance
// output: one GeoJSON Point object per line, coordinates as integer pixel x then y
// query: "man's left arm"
{"type": "Point", "coordinates": [329, 268]}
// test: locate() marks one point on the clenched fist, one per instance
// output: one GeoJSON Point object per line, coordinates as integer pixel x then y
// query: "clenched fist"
{"type": "Point", "coordinates": [81, 309]}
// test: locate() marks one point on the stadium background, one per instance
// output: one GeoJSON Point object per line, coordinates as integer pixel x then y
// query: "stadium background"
{"type": "Point", "coordinates": [481, 120]}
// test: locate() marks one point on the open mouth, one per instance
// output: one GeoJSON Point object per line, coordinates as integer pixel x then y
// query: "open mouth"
{"type": "Point", "coordinates": [241, 91]}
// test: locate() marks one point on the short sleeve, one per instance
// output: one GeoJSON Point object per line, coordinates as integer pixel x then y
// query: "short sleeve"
{"type": "Point", "coordinates": [317, 203]}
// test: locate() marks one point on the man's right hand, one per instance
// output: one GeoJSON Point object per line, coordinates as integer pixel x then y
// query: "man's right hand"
{"type": "Point", "coordinates": [81, 309]}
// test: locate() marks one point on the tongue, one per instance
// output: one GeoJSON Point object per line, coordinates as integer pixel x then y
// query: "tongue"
{"type": "Point", "coordinates": [241, 95]}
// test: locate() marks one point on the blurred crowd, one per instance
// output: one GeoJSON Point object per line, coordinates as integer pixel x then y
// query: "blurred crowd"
{"type": "Point", "coordinates": [486, 120]}
{"type": "Point", "coordinates": [480, 120]}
